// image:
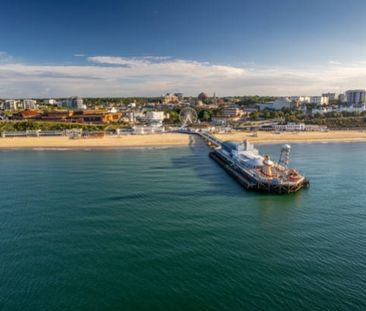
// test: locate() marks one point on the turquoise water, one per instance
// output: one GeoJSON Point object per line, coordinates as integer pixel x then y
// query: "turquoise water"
{"type": "Point", "coordinates": [168, 229]}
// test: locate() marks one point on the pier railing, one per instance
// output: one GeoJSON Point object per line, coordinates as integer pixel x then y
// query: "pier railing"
{"type": "Point", "coordinates": [213, 140]}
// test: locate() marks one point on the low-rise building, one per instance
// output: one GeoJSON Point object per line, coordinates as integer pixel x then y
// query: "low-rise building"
{"type": "Point", "coordinates": [351, 109]}
{"type": "Point", "coordinates": [231, 112]}
{"type": "Point", "coordinates": [50, 101]}
{"type": "Point", "coordinates": [219, 120]}
{"type": "Point", "coordinates": [112, 109]}
{"type": "Point", "coordinates": [294, 127]}
{"type": "Point", "coordinates": [179, 95]}
{"type": "Point", "coordinates": [155, 118]}
{"type": "Point", "coordinates": [170, 98]}
{"type": "Point", "coordinates": [278, 104]}
{"type": "Point", "coordinates": [94, 116]}
{"type": "Point", "coordinates": [81, 116]}
{"type": "Point", "coordinates": [134, 116]}
{"type": "Point", "coordinates": [56, 115]}
{"type": "Point", "coordinates": [291, 126]}
{"type": "Point", "coordinates": [143, 129]}
{"type": "Point", "coordinates": [26, 115]}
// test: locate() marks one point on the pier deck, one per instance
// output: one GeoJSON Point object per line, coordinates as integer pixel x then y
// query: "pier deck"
{"type": "Point", "coordinates": [246, 180]}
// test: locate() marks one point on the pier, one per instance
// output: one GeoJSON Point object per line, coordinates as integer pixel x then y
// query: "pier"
{"type": "Point", "coordinates": [267, 176]}
{"type": "Point", "coordinates": [211, 140]}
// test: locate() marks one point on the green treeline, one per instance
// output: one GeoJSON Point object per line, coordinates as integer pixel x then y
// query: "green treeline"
{"type": "Point", "coordinates": [46, 126]}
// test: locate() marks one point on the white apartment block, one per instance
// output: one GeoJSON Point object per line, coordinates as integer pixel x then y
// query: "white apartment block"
{"type": "Point", "coordinates": [155, 117]}
{"type": "Point", "coordinates": [11, 104]}
{"type": "Point", "coordinates": [14, 104]}
{"type": "Point", "coordinates": [305, 99]}
{"type": "Point", "coordinates": [28, 104]}
{"type": "Point", "coordinates": [318, 100]}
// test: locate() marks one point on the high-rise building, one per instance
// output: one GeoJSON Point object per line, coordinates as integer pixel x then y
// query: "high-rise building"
{"type": "Point", "coordinates": [331, 96]}
{"type": "Point", "coordinates": [342, 98]}
{"type": "Point", "coordinates": [76, 103]}
{"type": "Point", "coordinates": [315, 100]}
{"type": "Point", "coordinates": [356, 97]}
{"type": "Point", "coordinates": [11, 104]}
{"type": "Point", "coordinates": [29, 104]}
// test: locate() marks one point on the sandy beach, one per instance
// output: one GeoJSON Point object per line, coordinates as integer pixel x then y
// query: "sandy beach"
{"type": "Point", "coordinates": [178, 139]}
{"type": "Point", "coordinates": [288, 137]}
{"type": "Point", "coordinates": [105, 142]}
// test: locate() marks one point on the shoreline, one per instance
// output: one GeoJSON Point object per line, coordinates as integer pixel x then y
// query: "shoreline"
{"type": "Point", "coordinates": [169, 140]}
{"type": "Point", "coordinates": [96, 147]}
{"type": "Point", "coordinates": [335, 141]}
{"type": "Point", "coordinates": [298, 137]}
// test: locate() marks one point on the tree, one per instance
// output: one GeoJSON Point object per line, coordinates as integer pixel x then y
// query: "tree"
{"type": "Point", "coordinates": [254, 115]}
{"type": "Point", "coordinates": [204, 115]}
{"type": "Point", "coordinates": [173, 116]}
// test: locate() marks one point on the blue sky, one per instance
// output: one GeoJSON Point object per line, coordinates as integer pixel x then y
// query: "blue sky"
{"type": "Point", "coordinates": [141, 47]}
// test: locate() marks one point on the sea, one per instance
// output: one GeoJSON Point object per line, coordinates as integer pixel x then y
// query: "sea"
{"type": "Point", "coordinates": [168, 229]}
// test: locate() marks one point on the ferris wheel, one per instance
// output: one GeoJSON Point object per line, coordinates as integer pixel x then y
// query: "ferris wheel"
{"type": "Point", "coordinates": [188, 116]}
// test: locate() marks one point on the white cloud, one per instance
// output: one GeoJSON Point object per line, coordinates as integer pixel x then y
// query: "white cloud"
{"type": "Point", "coordinates": [151, 75]}
{"type": "Point", "coordinates": [117, 60]}
{"type": "Point", "coordinates": [80, 55]}
{"type": "Point", "coordinates": [113, 60]}
{"type": "Point", "coordinates": [334, 62]}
